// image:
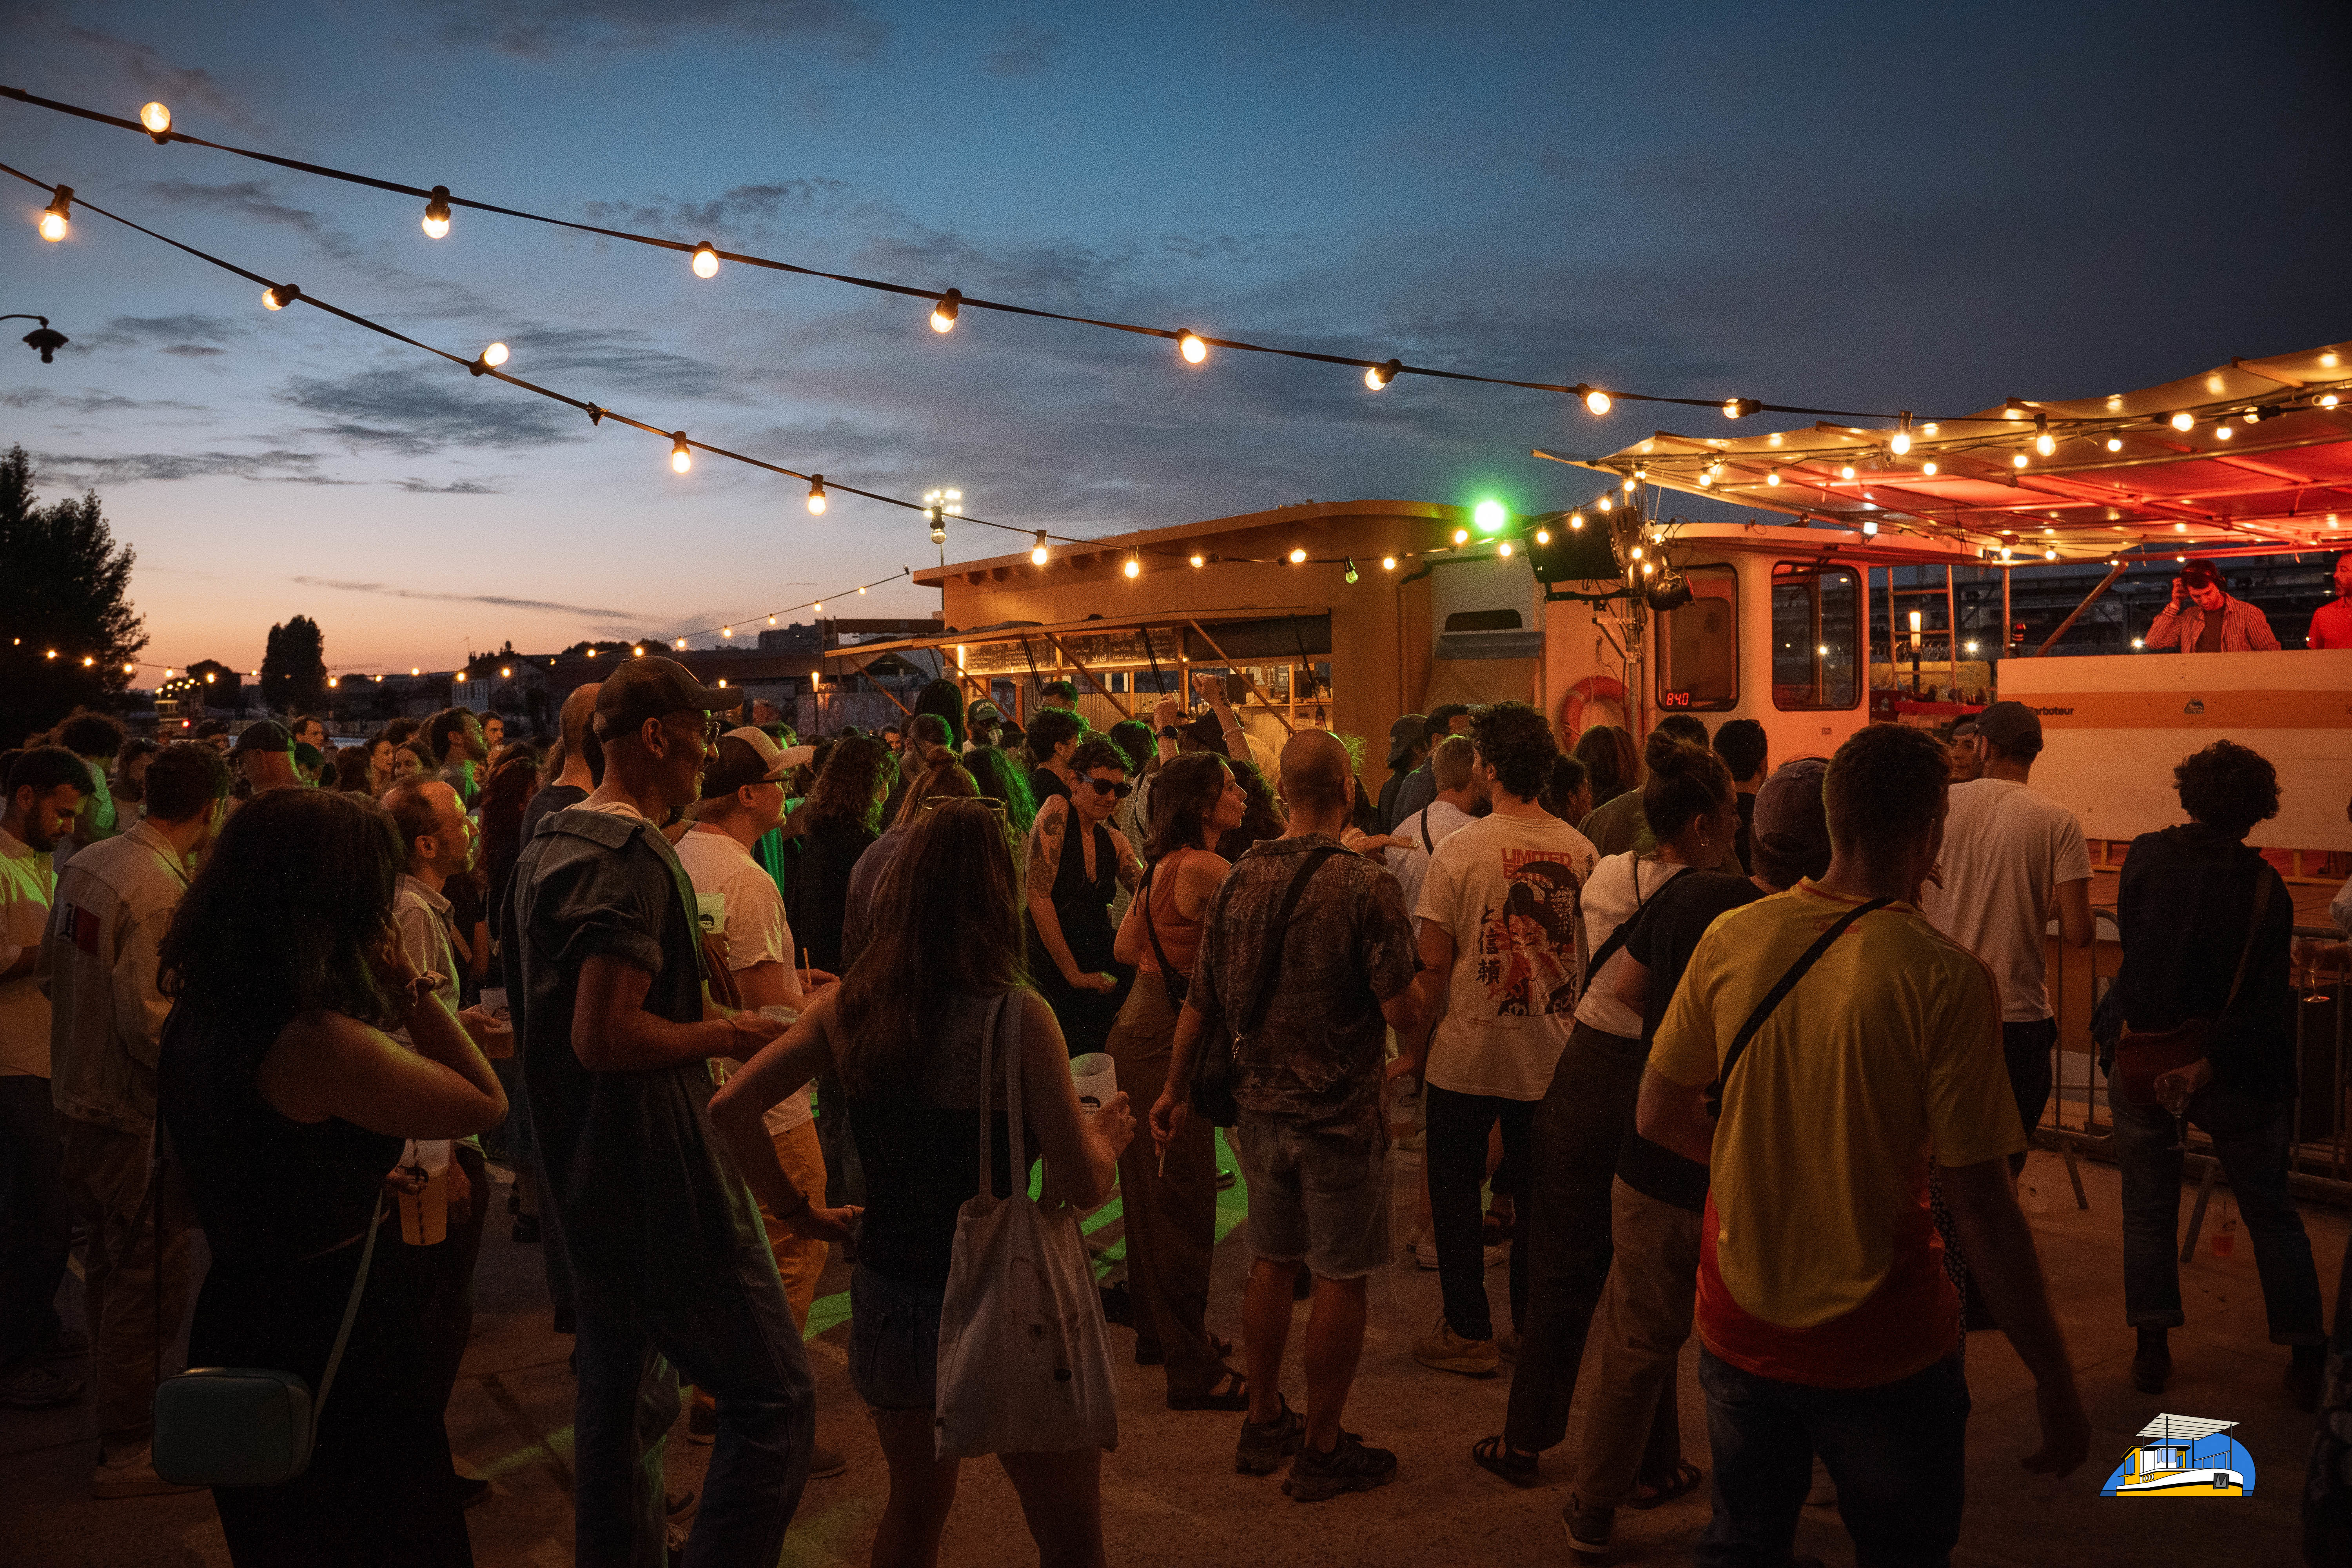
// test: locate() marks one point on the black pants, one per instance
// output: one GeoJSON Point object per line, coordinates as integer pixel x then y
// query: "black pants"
{"type": "Point", "coordinates": [1458, 1128]}
{"type": "Point", "coordinates": [2025, 1051]}
{"type": "Point", "coordinates": [1580, 1126]}
{"type": "Point", "coordinates": [35, 1224]}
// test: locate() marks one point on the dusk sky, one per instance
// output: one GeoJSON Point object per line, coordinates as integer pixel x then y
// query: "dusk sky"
{"type": "Point", "coordinates": [1865, 207]}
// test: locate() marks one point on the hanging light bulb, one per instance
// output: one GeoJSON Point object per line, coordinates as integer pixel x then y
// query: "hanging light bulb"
{"type": "Point", "coordinates": [1351, 569]}
{"type": "Point", "coordinates": [1772, 476]}
{"type": "Point", "coordinates": [1706, 475]}
{"type": "Point", "coordinates": [1504, 549]}
{"type": "Point", "coordinates": [2327, 400]}
{"type": "Point", "coordinates": [1870, 528]}
{"type": "Point", "coordinates": [2222, 432]}
{"type": "Point", "coordinates": [2044, 442]}
{"type": "Point", "coordinates": [156, 117]}
{"type": "Point", "coordinates": [1928, 467]}
{"type": "Point", "coordinates": [1380, 375]}
{"type": "Point", "coordinates": [1846, 472]}
{"type": "Point", "coordinates": [1543, 536]}
{"type": "Point", "coordinates": [943, 315]}
{"type": "Point", "coordinates": [489, 360]}
{"type": "Point", "coordinates": [56, 216]}
{"type": "Point", "coordinates": [681, 457]}
{"type": "Point", "coordinates": [1199, 560]}
{"type": "Point", "coordinates": [1595, 400]}
{"type": "Point", "coordinates": [1901, 441]}
{"type": "Point", "coordinates": [681, 642]}
{"type": "Point", "coordinates": [1637, 553]}
{"type": "Point", "coordinates": [706, 260]}
{"type": "Point", "coordinates": [437, 213]}
{"type": "Point", "coordinates": [772, 621]}
{"type": "Point", "coordinates": [2017, 461]}
{"type": "Point", "coordinates": [2114, 443]}
{"type": "Point", "coordinates": [1575, 520]}
{"type": "Point", "coordinates": [816, 495]}
{"type": "Point", "coordinates": [1603, 504]}
{"type": "Point", "coordinates": [1299, 557]}
{"type": "Point", "coordinates": [1037, 552]}
{"type": "Point", "coordinates": [1388, 562]}
{"type": "Point", "coordinates": [278, 296]}
{"type": "Point", "coordinates": [1135, 565]}
{"type": "Point", "coordinates": [723, 631]}
{"type": "Point", "coordinates": [1189, 345]}
{"type": "Point", "coordinates": [818, 607]}
{"type": "Point", "coordinates": [2183, 420]}
{"type": "Point", "coordinates": [861, 587]}
{"type": "Point", "coordinates": [1461, 536]}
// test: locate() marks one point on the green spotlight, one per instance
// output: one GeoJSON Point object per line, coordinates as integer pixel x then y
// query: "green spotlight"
{"type": "Point", "coordinates": [1490, 515]}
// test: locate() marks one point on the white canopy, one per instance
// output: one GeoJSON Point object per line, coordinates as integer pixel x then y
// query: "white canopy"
{"type": "Point", "coordinates": [2183, 1428]}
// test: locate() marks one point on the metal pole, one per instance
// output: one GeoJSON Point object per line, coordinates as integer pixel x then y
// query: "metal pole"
{"type": "Point", "coordinates": [1951, 636]}
{"type": "Point", "coordinates": [2112, 572]}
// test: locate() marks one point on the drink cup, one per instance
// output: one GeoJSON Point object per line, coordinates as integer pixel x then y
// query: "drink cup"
{"type": "Point", "coordinates": [1095, 1079]}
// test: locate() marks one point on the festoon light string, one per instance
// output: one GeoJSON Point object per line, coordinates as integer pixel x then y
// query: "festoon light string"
{"type": "Point", "coordinates": [946, 305]}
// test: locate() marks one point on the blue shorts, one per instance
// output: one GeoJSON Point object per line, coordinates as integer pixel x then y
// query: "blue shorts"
{"type": "Point", "coordinates": [1317, 1197]}
{"type": "Point", "coordinates": [894, 1342]}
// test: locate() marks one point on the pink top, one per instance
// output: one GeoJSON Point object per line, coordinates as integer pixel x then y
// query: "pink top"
{"type": "Point", "coordinates": [1179, 937]}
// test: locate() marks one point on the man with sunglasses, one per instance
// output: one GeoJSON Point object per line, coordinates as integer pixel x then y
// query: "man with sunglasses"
{"type": "Point", "coordinates": [1071, 885]}
{"type": "Point", "coordinates": [671, 1270]}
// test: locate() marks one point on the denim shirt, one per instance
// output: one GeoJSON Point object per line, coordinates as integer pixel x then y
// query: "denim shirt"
{"type": "Point", "coordinates": [106, 1017]}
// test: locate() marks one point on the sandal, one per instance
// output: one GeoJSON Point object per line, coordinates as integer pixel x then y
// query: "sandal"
{"type": "Point", "coordinates": [1235, 1397]}
{"type": "Point", "coordinates": [1497, 1456]}
{"type": "Point", "coordinates": [1686, 1481]}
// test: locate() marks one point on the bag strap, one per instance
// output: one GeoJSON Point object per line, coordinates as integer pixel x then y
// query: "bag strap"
{"type": "Point", "coordinates": [2253, 930]}
{"type": "Point", "coordinates": [1167, 973]}
{"type": "Point", "coordinates": [1625, 928]}
{"type": "Point", "coordinates": [351, 1314]}
{"type": "Point", "coordinates": [1428, 845]}
{"type": "Point", "coordinates": [1012, 1127]}
{"type": "Point", "coordinates": [1270, 966]}
{"type": "Point", "coordinates": [1774, 997]}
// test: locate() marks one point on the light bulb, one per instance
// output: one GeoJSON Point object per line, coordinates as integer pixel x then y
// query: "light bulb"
{"type": "Point", "coordinates": [634, 653]}
{"type": "Point", "coordinates": [2179, 528]}
{"type": "Point", "coordinates": [54, 222]}
{"type": "Point", "coordinates": [1846, 472]}
{"type": "Point", "coordinates": [1503, 548]}
{"type": "Point", "coordinates": [1928, 467]}
{"type": "Point", "coordinates": [1576, 520]}
{"type": "Point", "coordinates": [943, 315]}
{"type": "Point", "coordinates": [1731, 409]}
{"type": "Point", "coordinates": [2223, 432]}
{"type": "Point", "coordinates": [706, 260]}
{"type": "Point", "coordinates": [2049, 555]}
{"type": "Point", "coordinates": [1199, 559]}
{"type": "Point", "coordinates": [1299, 557]}
{"type": "Point", "coordinates": [1189, 345]}
{"type": "Point", "coordinates": [156, 117]}
{"type": "Point", "coordinates": [2183, 420]}
{"type": "Point", "coordinates": [816, 495]}
{"type": "Point", "coordinates": [680, 457]}
{"type": "Point", "coordinates": [437, 213]}
{"type": "Point", "coordinates": [772, 621]}
{"type": "Point", "coordinates": [1637, 553]}
{"type": "Point", "coordinates": [1543, 536]}
{"type": "Point", "coordinates": [1900, 442]}
{"type": "Point", "coordinates": [1648, 567]}
{"type": "Point", "coordinates": [1134, 567]}
{"type": "Point", "coordinates": [1037, 552]}
{"type": "Point", "coordinates": [1603, 504]}
{"type": "Point", "coordinates": [2044, 442]}
{"type": "Point", "coordinates": [278, 296]}
{"type": "Point", "coordinates": [2018, 461]}
{"type": "Point", "coordinates": [1461, 536]}
{"type": "Point", "coordinates": [818, 607]}
{"type": "Point", "coordinates": [1596, 400]}
{"type": "Point", "coordinates": [1870, 528]}
{"type": "Point", "coordinates": [2114, 443]}
{"type": "Point", "coordinates": [1627, 486]}
{"type": "Point", "coordinates": [1351, 569]}
{"type": "Point", "coordinates": [681, 642]}
{"type": "Point", "coordinates": [861, 587]}
{"type": "Point", "coordinates": [2327, 400]}
{"type": "Point", "coordinates": [495, 355]}
{"type": "Point", "coordinates": [1388, 562]}
{"type": "Point", "coordinates": [723, 631]}
{"type": "Point", "coordinates": [1378, 375]}
{"type": "Point", "coordinates": [1706, 477]}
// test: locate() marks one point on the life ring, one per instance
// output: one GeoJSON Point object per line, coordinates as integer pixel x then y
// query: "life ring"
{"type": "Point", "coordinates": [1591, 688]}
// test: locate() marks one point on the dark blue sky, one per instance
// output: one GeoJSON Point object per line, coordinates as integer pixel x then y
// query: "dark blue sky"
{"type": "Point", "coordinates": [1853, 206]}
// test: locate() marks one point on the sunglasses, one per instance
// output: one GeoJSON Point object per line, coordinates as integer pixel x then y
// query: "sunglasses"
{"type": "Point", "coordinates": [1104, 786]}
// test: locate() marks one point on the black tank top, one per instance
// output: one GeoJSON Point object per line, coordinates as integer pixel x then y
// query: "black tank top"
{"type": "Point", "coordinates": [1083, 903]}
{"type": "Point", "coordinates": [269, 1190]}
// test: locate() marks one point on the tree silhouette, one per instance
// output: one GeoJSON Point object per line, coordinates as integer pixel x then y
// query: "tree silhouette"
{"type": "Point", "coordinates": [294, 666]}
{"type": "Point", "coordinates": [63, 584]}
{"type": "Point", "coordinates": [217, 685]}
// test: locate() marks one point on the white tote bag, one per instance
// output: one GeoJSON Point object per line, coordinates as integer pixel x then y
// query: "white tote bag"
{"type": "Point", "coordinates": [1024, 1364]}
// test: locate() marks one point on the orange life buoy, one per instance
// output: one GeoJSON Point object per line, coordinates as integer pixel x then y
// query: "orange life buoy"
{"type": "Point", "coordinates": [1602, 687]}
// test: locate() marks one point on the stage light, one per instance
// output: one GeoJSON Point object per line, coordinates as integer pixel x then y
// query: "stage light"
{"type": "Point", "coordinates": [437, 213]}
{"type": "Point", "coordinates": [943, 315]}
{"type": "Point", "coordinates": [1189, 345]}
{"type": "Point", "coordinates": [2114, 443]}
{"type": "Point", "coordinates": [1037, 553]}
{"type": "Point", "coordinates": [1380, 375]}
{"type": "Point", "coordinates": [706, 260]}
{"type": "Point", "coordinates": [681, 457]}
{"type": "Point", "coordinates": [816, 495]}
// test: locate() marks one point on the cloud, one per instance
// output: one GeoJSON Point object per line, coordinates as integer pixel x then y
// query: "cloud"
{"type": "Point", "coordinates": [253, 201]}
{"type": "Point", "coordinates": [624, 358]}
{"type": "Point", "coordinates": [84, 403]}
{"type": "Point", "coordinates": [1022, 51]}
{"type": "Point", "coordinates": [458, 488]}
{"type": "Point", "coordinates": [543, 27]}
{"type": "Point", "coordinates": [149, 75]}
{"type": "Point", "coordinates": [415, 411]}
{"type": "Point", "coordinates": [193, 350]}
{"type": "Point", "coordinates": [189, 334]}
{"type": "Point", "coordinates": [744, 209]}
{"type": "Point", "coordinates": [279, 466]}
{"type": "Point", "coordinates": [500, 600]}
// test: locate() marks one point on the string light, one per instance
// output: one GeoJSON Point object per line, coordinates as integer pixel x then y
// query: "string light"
{"type": "Point", "coordinates": [2114, 443]}
{"type": "Point", "coordinates": [723, 631]}
{"type": "Point", "coordinates": [2222, 432]}
{"type": "Point", "coordinates": [1134, 567]}
{"type": "Point", "coordinates": [1189, 345]}
{"type": "Point", "coordinates": [490, 359]}
{"type": "Point", "coordinates": [1351, 568]}
{"type": "Point", "coordinates": [1199, 560]}
{"type": "Point", "coordinates": [681, 457]}
{"type": "Point", "coordinates": [819, 607]}
{"type": "Point", "coordinates": [1928, 467]}
{"type": "Point", "coordinates": [1595, 400]}
{"type": "Point", "coordinates": [1575, 520]}
{"type": "Point", "coordinates": [437, 213]}
{"type": "Point", "coordinates": [1772, 476]}
{"type": "Point", "coordinates": [816, 495]}
{"type": "Point", "coordinates": [1846, 472]}
{"type": "Point", "coordinates": [1461, 536]}
{"type": "Point", "coordinates": [1543, 536]}
{"type": "Point", "coordinates": [1504, 550]}
{"type": "Point", "coordinates": [1901, 441]}
{"type": "Point", "coordinates": [278, 296]}
{"type": "Point", "coordinates": [2044, 442]}
{"type": "Point", "coordinates": [2050, 554]}
{"type": "Point", "coordinates": [943, 315]}
{"type": "Point", "coordinates": [2017, 461]}
{"type": "Point", "coordinates": [1388, 562]}
{"type": "Point", "coordinates": [156, 117]}
{"type": "Point", "coordinates": [2327, 400]}
{"type": "Point", "coordinates": [2183, 420]}
{"type": "Point", "coordinates": [1638, 474]}
{"type": "Point", "coordinates": [1740, 407]}
{"type": "Point", "coordinates": [1378, 375]}
{"type": "Point", "coordinates": [1038, 553]}
{"type": "Point", "coordinates": [706, 260]}
{"type": "Point", "coordinates": [1299, 557]}
{"type": "Point", "coordinates": [55, 218]}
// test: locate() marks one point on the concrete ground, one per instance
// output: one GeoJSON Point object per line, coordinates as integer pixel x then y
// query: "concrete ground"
{"type": "Point", "coordinates": [1170, 1494]}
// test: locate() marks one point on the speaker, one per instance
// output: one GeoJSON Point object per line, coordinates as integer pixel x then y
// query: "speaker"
{"type": "Point", "coordinates": [1574, 554]}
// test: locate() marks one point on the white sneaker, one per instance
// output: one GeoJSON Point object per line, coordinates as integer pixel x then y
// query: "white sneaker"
{"type": "Point", "coordinates": [1422, 1251]}
{"type": "Point", "coordinates": [1498, 1253]}
{"type": "Point", "coordinates": [131, 1474]}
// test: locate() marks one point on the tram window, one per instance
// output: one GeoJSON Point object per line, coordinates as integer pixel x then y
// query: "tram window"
{"type": "Point", "coordinates": [1698, 666]}
{"type": "Point", "coordinates": [1816, 636]}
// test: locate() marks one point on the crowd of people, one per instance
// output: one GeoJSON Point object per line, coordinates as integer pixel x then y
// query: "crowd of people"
{"type": "Point", "coordinates": [1693, 1041]}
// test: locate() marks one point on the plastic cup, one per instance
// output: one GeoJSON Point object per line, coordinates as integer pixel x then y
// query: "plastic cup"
{"type": "Point", "coordinates": [1096, 1078]}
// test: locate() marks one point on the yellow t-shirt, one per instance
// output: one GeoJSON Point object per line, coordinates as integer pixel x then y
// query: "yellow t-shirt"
{"type": "Point", "coordinates": [1889, 1045]}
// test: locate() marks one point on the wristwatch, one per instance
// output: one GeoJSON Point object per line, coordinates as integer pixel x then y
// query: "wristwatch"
{"type": "Point", "coordinates": [1170, 732]}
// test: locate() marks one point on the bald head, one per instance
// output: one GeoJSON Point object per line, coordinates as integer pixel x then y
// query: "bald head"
{"type": "Point", "coordinates": [1315, 774]}
{"type": "Point", "coordinates": [579, 712]}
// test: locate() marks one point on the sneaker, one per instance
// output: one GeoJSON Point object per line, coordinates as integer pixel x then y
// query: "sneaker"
{"type": "Point", "coordinates": [1588, 1526]}
{"type": "Point", "coordinates": [1498, 1253]}
{"type": "Point", "coordinates": [826, 1463]}
{"type": "Point", "coordinates": [1351, 1466]}
{"type": "Point", "coordinates": [1445, 1350]}
{"type": "Point", "coordinates": [1225, 1180]}
{"type": "Point", "coordinates": [1422, 1251]}
{"type": "Point", "coordinates": [131, 1473]}
{"type": "Point", "coordinates": [32, 1386]}
{"type": "Point", "coordinates": [1266, 1444]}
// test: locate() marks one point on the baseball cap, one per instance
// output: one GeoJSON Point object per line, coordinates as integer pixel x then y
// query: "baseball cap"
{"type": "Point", "coordinates": [268, 735]}
{"type": "Point", "coordinates": [1790, 833]}
{"type": "Point", "coordinates": [1408, 732]}
{"type": "Point", "coordinates": [2011, 726]}
{"type": "Point", "coordinates": [645, 688]}
{"type": "Point", "coordinates": [746, 756]}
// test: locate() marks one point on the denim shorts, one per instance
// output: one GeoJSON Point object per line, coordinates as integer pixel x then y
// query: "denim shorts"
{"type": "Point", "coordinates": [1317, 1197]}
{"type": "Point", "coordinates": [894, 1342]}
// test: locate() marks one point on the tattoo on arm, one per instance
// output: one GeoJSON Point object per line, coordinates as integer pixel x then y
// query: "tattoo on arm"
{"type": "Point", "coordinates": [1045, 848]}
{"type": "Point", "coordinates": [1131, 868]}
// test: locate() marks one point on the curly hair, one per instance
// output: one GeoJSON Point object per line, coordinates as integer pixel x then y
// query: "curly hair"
{"type": "Point", "coordinates": [1261, 821]}
{"type": "Point", "coordinates": [2228, 787]}
{"type": "Point", "coordinates": [1516, 742]}
{"type": "Point", "coordinates": [1132, 736]}
{"type": "Point", "coordinates": [1098, 752]}
{"type": "Point", "coordinates": [848, 790]}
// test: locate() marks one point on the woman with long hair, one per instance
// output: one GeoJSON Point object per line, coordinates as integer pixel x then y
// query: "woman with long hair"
{"type": "Point", "coordinates": [410, 760]}
{"type": "Point", "coordinates": [286, 1101]}
{"type": "Point", "coordinates": [839, 823]}
{"type": "Point", "coordinates": [943, 779]}
{"type": "Point", "coordinates": [1611, 764]}
{"type": "Point", "coordinates": [903, 1032]}
{"type": "Point", "coordinates": [1171, 1204]}
{"type": "Point", "coordinates": [944, 698]}
{"type": "Point", "coordinates": [1000, 779]}
{"type": "Point", "coordinates": [505, 794]}
{"type": "Point", "coordinates": [1261, 818]}
{"type": "Point", "coordinates": [352, 775]}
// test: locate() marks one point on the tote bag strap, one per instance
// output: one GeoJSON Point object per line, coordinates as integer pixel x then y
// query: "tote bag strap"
{"type": "Point", "coordinates": [1013, 1127]}
{"type": "Point", "coordinates": [351, 1314]}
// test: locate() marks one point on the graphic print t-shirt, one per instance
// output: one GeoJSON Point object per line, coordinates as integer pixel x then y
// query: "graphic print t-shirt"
{"type": "Point", "coordinates": [1509, 888]}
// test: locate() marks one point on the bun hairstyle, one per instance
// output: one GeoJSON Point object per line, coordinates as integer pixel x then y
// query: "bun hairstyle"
{"type": "Point", "coordinates": [1685, 783]}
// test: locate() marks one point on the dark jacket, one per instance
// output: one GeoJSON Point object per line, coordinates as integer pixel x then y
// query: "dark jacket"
{"type": "Point", "coordinates": [2182, 907]}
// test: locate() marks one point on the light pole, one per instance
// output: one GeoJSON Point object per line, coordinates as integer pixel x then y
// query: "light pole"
{"type": "Point", "coordinates": [43, 339]}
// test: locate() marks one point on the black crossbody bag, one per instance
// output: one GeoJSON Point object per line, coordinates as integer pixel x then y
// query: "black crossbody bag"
{"type": "Point", "coordinates": [1210, 1094]}
{"type": "Point", "coordinates": [1775, 996]}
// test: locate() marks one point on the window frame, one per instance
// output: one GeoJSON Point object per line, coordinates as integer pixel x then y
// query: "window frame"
{"type": "Point", "coordinates": [1857, 653]}
{"type": "Point", "coordinates": [1713, 575]}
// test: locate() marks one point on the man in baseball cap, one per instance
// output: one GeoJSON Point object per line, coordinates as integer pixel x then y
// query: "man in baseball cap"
{"type": "Point", "coordinates": [264, 754]}
{"type": "Point", "coordinates": [604, 973]}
